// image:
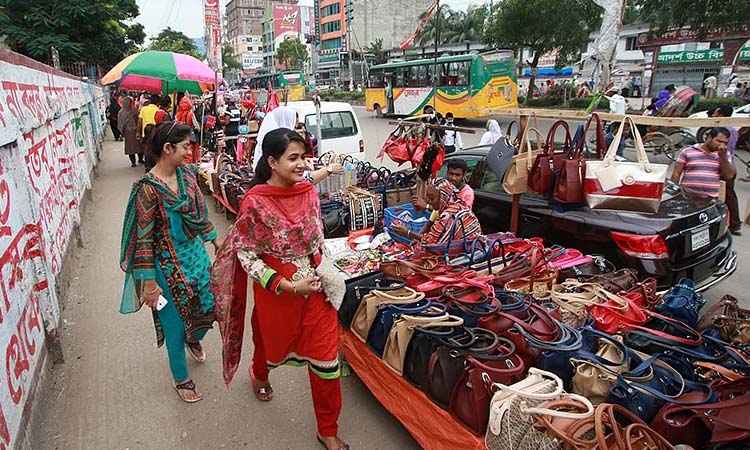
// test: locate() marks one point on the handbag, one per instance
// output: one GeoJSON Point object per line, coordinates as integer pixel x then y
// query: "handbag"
{"type": "Point", "coordinates": [368, 308]}
{"type": "Point", "coordinates": [388, 313]}
{"type": "Point", "coordinates": [624, 185]}
{"type": "Point", "coordinates": [615, 282]}
{"type": "Point", "coordinates": [574, 298]}
{"type": "Point", "coordinates": [450, 247]}
{"type": "Point", "coordinates": [509, 425]}
{"type": "Point", "coordinates": [540, 279]}
{"type": "Point", "coordinates": [569, 180]}
{"type": "Point", "coordinates": [334, 215]}
{"type": "Point", "coordinates": [549, 162]}
{"type": "Point", "coordinates": [732, 322]}
{"type": "Point", "coordinates": [682, 302]}
{"type": "Point", "coordinates": [365, 209]}
{"type": "Point", "coordinates": [617, 313]}
{"type": "Point", "coordinates": [597, 266]}
{"type": "Point", "coordinates": [517, 176]}
{"type": "Point", "coordinates": [331, 281]}
{"type": "Point", "coordinates": [424, 342]}
{"type": "Point", "coordinates": [395, 147]}
{"type": "Point", "coordinates": [358, 288]}
{"type": "Point", "coordinates": [595, 373]}
{"type": "Point", "coordinates": [402, 331]}
{"type": "Point", "coordinates": [398, 190]}
{"type": "Point", "coordinates": [470, 399]}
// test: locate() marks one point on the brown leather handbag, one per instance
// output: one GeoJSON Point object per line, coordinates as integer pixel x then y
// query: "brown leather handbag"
{"type": "Point", "coordinates": [368, 308]}
{"type": "Point", "coordinates": [516, 180]}
{"type": "Point", "coordinates": [732, 321]}
{"type": "Point", "coordinates": [569, 181]}
{"type": "Point", "coordinates": [402, 269]}
{"type": "Point", "coordinates": [615, 282]}
{"type": "Point", "coordinates": [402, 332]}
{"type": "Point", "coordinates": [573, 298]}
{"type": "Point", "coordinates": [545, 165]}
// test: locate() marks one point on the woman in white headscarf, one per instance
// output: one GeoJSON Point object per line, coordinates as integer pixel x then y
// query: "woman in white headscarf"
{"type": "Point", "coordinates": [281, 117]}
{"type": "Point", "coordinates": [492, 134]}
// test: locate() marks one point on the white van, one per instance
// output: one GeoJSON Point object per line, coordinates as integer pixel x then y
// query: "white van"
{"type": "Point", "coordinates": [341, 132]}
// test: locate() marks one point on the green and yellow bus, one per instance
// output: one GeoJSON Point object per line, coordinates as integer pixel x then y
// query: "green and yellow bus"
{"type": "Point", "coordinates": [469, 86]}
{"type": "Point", "coordinates": [290, 81]}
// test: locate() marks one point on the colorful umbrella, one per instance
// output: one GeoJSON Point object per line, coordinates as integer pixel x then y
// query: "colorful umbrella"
{"type": "Point", "coordinates": [161, 72]}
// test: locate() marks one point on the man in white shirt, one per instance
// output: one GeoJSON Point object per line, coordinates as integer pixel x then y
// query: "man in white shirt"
{"type": "Point", "coordinates": [710, 84]}
{"type": "Point", "coordinates": [617, 103]}
{"type": "Point", "coordinates": [452, 138]}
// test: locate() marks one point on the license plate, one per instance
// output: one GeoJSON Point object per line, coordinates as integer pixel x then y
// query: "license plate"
{"type": "Point", "coordinates": [699, 239]}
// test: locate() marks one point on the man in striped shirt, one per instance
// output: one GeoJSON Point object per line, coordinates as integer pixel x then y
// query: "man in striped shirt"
{"type": "Point", "coordinates": [700, 168]}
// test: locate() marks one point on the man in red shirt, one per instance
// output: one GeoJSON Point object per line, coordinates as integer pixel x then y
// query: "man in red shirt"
{"type": "Point", "coordinates": [457, 176]}
{"type": "Point", "coordinates": [700, 168]}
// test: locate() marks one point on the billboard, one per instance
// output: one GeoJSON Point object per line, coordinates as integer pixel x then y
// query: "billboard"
{"type": "Point", "coordinates": [252, 61]}
{"type": "Point", "coordinates": [212, 19]}
{"type": "Point", "coordinates": [287, 24]}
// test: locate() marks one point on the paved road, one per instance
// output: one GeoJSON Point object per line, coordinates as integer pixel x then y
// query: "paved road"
{"type": "Point", "coordinates": [114, 390]}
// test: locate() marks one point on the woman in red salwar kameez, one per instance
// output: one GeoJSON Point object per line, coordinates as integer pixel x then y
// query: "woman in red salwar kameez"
{"type": "Point", "coordinates": [278, 241]}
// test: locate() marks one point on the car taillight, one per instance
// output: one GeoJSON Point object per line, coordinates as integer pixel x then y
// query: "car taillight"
{"type": "Point", "coordinates": [361, 146]}
{"type": "Point", "coordinates": [640, 246]}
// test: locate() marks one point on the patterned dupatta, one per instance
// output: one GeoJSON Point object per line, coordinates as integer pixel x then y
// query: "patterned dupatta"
{"type": "Point", "coordinates": [189, 203]}
{"type": "Point", "coordinates": [281, 222]}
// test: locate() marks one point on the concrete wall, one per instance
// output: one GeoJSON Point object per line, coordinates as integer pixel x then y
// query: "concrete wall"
{"type": "Point", "coordinates": [390, 20]}
{"type": "Point", "coordinates": [50, 132]}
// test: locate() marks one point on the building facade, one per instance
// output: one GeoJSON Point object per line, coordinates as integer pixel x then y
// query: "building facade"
{"type": "Point", "coordinates": [282, 22]}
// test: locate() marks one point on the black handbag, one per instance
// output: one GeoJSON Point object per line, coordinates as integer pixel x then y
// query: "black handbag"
{"type": "Point", "coordinates": [357, 288]}
{"type": "Point", "coordinates": [335, 216]}
{"type": "Point", "coordinates": [423, 343]}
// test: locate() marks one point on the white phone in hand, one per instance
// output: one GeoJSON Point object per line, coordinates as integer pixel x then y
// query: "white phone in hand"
{"type": "Point", "coordinates": [161, 303]}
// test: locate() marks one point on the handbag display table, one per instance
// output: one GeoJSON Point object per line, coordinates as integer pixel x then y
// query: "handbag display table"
{"type": "Point", "coordinates": [432, 427]}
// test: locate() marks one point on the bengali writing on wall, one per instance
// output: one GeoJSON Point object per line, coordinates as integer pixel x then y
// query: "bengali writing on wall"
{"type": "Point", "coordinates": [50, 126]}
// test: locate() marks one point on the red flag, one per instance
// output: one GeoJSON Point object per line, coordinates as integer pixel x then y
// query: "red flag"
{"type": "Point", "coordinates": [272, 100]}
{"type": "Point", "coordinates": [410, 38]}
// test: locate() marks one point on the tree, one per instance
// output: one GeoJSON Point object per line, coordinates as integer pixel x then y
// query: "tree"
{"type": "Point", "coordinates": [541, 26]}
{"type": "Point", "coordinates": [228, 59]}
{"type": "Point", "coordinates": [379, 56]}
{"type": "Point", "coordinates": [702, 16]}
{"type": "Point", "coordinates": [170, 40]}
{"type": "Point", "coordinates": [93, 32]}
{"type": "Point", "coordinates": [443, 16]}
{"type": "Point", "coordinates": [465, 26]}
{"type": "Point", "coordinates": [292, 53]}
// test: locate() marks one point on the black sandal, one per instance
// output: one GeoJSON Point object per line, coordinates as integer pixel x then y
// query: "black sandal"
{"type": "Point", "coordinates": [322, 442]}
{"type": "Point", "coordinates": [187, 386]}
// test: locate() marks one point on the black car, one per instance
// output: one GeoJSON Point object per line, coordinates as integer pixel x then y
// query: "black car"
{"type": "Point", "coordinates": [687, 238]}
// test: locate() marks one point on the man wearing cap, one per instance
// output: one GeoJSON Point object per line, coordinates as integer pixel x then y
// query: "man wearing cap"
{"type": "Point", "coordinates": [617, 103]}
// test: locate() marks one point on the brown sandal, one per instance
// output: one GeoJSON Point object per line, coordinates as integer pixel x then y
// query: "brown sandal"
{"type": "Point", "coordinates": [187, 386]}
{"type": "Point", "coordinates": [196, 351]}
{"type": "Point", "coordinates": [322, 442]}
{"type": "Point", "coordinates": [263, 393]}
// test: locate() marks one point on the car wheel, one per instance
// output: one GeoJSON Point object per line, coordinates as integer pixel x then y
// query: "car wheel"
{"type": "Point", "coordinates": [700, 136]}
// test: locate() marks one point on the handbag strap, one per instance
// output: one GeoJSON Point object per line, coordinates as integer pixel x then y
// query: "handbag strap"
{"type": "Point", "coordinates": [570, 339]}
{"type": "Point", "coordinates": [541, 375]}
{"type": "Point", "coordinates": [693, 341]}
{"type": "Point", "coordinates": [601, 148]}
{"type": "Point", "coordinates": [549, 149]}
{"type": "Point", "coordinates": [403, 295]}
{"type": "Point", "coordinates": [671, 374]}
{"type": "Point", "coordinates": [575, 400]}
{"type": "Point", "coordinates": [639, 436]}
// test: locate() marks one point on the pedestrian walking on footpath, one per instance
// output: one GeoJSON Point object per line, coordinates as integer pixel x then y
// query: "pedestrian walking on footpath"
{"type": "Point", "coordinates": [163, 254]}
{"type": "Point", "coordinates": [710, 86]}
{"type": "Point", "coordinates": [127, 123]}
{"type": "Point", "coordinates": [112, 111]}
{"type": "Point", "coordinates": [277, 243]}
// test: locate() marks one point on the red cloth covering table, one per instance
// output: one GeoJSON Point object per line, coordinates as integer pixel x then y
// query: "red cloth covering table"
{"type": "Point", "coordinates": [432, 427]}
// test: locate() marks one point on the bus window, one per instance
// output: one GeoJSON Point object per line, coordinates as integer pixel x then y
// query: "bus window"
{"type": "Point", "coordinates": [377, 80]}
{"type": "Point", "coordinates": [399, 71]}
{"type": "Point", "coordinates": [414, 76]}
{"type": "Point", "coordinates": [458, 73]}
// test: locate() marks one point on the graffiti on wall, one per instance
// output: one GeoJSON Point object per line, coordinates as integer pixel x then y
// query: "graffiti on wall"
{"type": "Point", "coordinates": [49, 129]}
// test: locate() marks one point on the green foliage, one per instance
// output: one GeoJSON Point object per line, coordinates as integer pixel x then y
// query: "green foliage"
{"type": "Point", "coordinates": [292, 53]}
{"type": "Point", "coordinates": [455, 26]}
{"type": "Point", "coordinates": [379, 55]}
{"type": "Point", "coordinates": [702, 16]}
{"type": "Point", "coordinates": [342, 95]}
{"type": "Point", "coordinates": [228, 59]}
{"type": "Point", "coordinates": [170, 40]}
{"type": "Point", "coordinates": [93, 32]}
{"type": "Point", "coordinates": [709, 104]}
{"type": "Point", "coordinates": [583, 103]}
{"type": "Point", "coordinates": [543, 102]}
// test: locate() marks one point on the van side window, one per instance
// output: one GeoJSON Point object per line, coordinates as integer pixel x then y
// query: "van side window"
{"type": "Point", "coordinates": [334, 124]}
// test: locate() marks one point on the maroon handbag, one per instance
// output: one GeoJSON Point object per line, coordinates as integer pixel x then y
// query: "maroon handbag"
{"type": "Point", "coordinates": [470, 399]}
{"type": "Point", "coordinates": [548, 163]}
{"type": "Point", "coordinates": [722, 421]}
{"type": "Point", "coordinates": [569, 181]}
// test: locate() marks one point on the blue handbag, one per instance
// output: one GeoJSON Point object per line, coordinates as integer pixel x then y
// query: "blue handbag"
{"type": "Point", "coordinates": [682, 303]}
{"type": "Point", "coordinates": [648, 387]}
{"type": "Point", "coordinates": [388, 313]}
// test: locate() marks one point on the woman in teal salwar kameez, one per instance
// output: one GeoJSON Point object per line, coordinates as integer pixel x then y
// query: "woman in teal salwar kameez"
{"type": "Point", "coordinates": [163, 253]}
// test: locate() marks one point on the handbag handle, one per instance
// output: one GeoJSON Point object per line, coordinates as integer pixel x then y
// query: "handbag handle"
{"type": "Point", "coordinates": [635, 433]}
{"type": "Point", "coordinates": [534, 395]}
{"type": "Point", "coordinates": [601, 148]}
{"type": "Point", "coordinates": [640, 149]}
{"type": "Point", "coordinates": [410, 295]}
{"type": "Point", "coordinates": [563, 344]}
{"type": "Point", "coordinates": [694, 342]}
{"type": "Point", "coordinates": [525, 142]}
{"type": "Point", "coordinates": [565, 400]}
{"type": "Point", "coordinates": [445, 320]}
{"type": "Point", "coordinates": [549, 149]}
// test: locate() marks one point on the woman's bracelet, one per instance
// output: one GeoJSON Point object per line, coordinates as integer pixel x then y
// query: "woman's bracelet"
{"type": "Point", "coordinates": [294, 287]}
{"type": "Point", "coordinates": [408, 233]}
{"type": "Point", "coordinates": [152, 292]}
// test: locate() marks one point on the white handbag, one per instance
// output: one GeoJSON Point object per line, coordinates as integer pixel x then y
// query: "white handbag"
{"type": "Point", "coordinates": [625, 185]}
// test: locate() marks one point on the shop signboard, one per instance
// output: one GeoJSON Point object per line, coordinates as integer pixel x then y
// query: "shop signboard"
{"type": "Point", "coordinates": [690, 56]}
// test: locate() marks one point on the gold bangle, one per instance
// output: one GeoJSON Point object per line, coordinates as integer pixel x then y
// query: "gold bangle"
{"type": "Point", "coordinates": [151, 292]}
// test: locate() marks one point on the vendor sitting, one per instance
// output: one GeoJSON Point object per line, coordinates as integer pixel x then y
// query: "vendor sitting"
{"type": "Point", "coordinates": [457, 175]}
{"type": "Point", "coordinates": [450, 208]}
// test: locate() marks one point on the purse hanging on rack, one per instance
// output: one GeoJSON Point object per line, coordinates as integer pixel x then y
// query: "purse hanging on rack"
{"type": "Point", "coordinates": [569, 181]}
{"type": "Point", "coordinates": [548, 163]}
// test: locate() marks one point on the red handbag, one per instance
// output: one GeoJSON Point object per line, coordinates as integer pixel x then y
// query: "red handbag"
{"type": "Point", "coordinates": [569, 181]}
{"type": "Point", "coordinates": [617, 313]}
{"type": "Point", "coordinates": [395, 147]}
{"type": "Point", "coordinates": [548, 163]}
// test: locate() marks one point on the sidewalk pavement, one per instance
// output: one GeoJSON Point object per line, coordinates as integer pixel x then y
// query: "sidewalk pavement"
{"type": "Point", "coordinates": [114, 390]}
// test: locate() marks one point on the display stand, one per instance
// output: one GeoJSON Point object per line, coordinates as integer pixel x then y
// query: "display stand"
{"type": "Point", "coordinates": [431, 426]}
